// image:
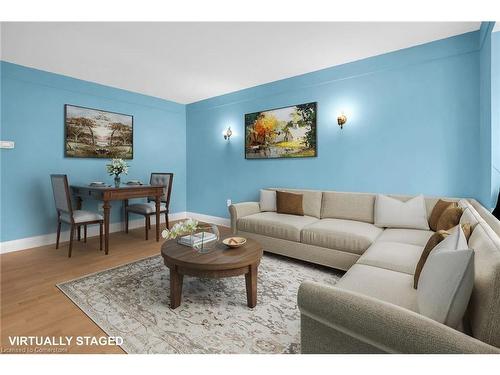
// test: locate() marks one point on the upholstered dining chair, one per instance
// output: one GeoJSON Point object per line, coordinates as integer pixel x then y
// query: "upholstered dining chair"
{"type": "Point", "coordinates": [149, 208]}
{"type": "Point", "coordinates": [66, 214]}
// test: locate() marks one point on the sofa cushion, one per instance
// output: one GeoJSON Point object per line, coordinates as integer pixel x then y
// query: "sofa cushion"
{"type": "Point", "coordinates": [409, 236]}
{"type": "Point", "coordinates": [469, 215]}
{"type": "Point", "coordinates": [311, 201]}
{"type": "Point", "coordinates": [389, 286]}
{"type": "Point", "coordinates": [345, 235]}
{"type": "Point", "coordinates": [272, 224]}
{"type": "Point", "coordinates": [393, 213]}
{"type": "Point", "coordinates": [348, 206]}
{"type": "Point", "coordinates": [393, 256]}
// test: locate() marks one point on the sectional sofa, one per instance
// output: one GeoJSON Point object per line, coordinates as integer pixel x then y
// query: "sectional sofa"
{"type": "Point", "coordinates": [373, 308]}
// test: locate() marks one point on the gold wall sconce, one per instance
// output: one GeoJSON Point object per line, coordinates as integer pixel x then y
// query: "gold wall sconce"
{"type": "Point", "coordinates": [341, 120]}
{"type": "Point", "coordinates": [228, 134]}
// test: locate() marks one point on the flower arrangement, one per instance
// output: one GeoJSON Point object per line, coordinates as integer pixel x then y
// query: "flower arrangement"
{"type": "Point", "coordinates": [202, 237]}
{"type": "Point", "coordinates": [116, 168]}
{"type": "Point", "coordinates": [179, 229]}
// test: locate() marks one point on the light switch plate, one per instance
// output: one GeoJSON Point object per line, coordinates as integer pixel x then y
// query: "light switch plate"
{"type": "Point", "coordinates": [7, 144]}
{"type": "Point", "coordinates": [228, 202]}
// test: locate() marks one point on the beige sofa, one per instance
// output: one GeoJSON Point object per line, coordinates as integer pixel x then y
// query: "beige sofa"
{"type": "Point", "coordinates": [373, 307]}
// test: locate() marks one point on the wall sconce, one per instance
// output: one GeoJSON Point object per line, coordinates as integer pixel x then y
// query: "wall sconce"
{"type": "Point", "coordinates": [228, 134]}
{"type": "Point", "coordinates": [341, 120]}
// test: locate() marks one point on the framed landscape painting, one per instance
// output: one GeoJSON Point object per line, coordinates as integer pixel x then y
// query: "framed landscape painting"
{"type": "Point", "coordinates": [288, 132]}
{"type": "Point", "coordinates": [92, 133]}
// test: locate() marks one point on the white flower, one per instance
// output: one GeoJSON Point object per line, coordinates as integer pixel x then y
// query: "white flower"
{"type": "Point", "coordinates": [186, 227]}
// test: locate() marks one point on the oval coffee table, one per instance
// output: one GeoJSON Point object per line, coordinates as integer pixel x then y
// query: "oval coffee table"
{"type": "Point", "coordinates": [219, 262]}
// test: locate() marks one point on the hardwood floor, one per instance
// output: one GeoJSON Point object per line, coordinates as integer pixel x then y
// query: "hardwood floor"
{"type": "Point", "coordinates": [31, 305]}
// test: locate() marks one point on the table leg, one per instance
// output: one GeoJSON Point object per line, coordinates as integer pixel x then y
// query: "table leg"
{"type": "Point", "coordinates": [125, 205]}
{"type": "Point", "coordinates": [107, 207]}
{"type": "Point", "coordinates": [251, 283]}
{"type": "Point", "coordinates": [157, 218]}
{"type": "Point", "coordinates": [175, 288]}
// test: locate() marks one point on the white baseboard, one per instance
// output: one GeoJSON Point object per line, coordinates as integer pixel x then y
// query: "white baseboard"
{"type": "Point", "coordinates": [48, 239]}
{"type": "Point", "coordinates": [210, 219]}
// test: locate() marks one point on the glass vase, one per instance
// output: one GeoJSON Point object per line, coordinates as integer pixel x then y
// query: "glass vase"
{"type": "Point", "coordinates": [117, 181]}
{"type": "Point", "coordinates": [205, 238]}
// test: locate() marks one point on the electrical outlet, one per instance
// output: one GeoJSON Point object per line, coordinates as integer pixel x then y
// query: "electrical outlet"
{"type": "Point", "coordinates": [228, 202]}
{"type": "Point", "coordinates": [7, 144]}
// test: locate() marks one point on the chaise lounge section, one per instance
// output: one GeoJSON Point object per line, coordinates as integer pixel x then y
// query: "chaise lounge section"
{"type": "Point", "coordinates": [373, 308]}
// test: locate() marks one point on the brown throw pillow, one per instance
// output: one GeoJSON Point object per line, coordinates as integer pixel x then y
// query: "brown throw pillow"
{"type": "Point", "coordinates": [289, 203]}
{"type": "Point", "coordinates": [437, 211]}
{"type": "Point", "coordinates": [433, 241]}
{"type": "Point", "coordinates": [431, 244]}
{"type": "Point", "coordinates": [449, 218]}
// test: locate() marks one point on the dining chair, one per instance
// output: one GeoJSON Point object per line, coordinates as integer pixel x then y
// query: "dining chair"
{"type": "Point", "coordinates": [66, 214]}
{"type": "Point", "coordinates": [149, 208]}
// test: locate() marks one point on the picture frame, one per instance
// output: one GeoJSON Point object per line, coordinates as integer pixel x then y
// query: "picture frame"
{"type": "Point", "coordinates": [284, 132]}
{"type": "Point", "coordinates": [96, 133]}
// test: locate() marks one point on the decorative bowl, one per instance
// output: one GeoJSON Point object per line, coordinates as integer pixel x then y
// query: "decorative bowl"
{"type": "Point", "coordinates": [234, 242]}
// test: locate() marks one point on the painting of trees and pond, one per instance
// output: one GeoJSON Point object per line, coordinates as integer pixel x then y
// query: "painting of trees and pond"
{"type": "Point", "coordinates": [91, 133]}
{"type": "Point", "coordinates": [288, 132]}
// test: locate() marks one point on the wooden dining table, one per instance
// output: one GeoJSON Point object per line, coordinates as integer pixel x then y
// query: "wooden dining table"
{"type": "Point", "coordinates": [106, 194]}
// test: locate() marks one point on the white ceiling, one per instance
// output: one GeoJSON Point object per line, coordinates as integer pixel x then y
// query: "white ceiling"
{"type": "Point", "coordinates": [187, 62]}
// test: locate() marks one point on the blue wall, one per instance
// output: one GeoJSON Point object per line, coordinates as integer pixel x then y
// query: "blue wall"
{"type": "Point", "coordinates": [495, 113]}
{"type": "Point", "coordinates": [412, 128]}
{"type": "Point", "coordinates": [485, 145]}
{"type": "Point", "coordinates": [32, 115]}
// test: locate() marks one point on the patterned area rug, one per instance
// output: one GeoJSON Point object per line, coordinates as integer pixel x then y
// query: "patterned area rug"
{"type": "Point", "coordinates": [132, 301]}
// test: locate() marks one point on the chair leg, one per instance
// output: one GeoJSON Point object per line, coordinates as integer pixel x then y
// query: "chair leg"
{"type": "Point", "coordinates": [71, 235]}
{"type": "Point", "coordinates": [147, 226]}
{"type": "Point", "coordinates": [166, 220]}
{"type": "Point", "coordinates": [85, 233]}
{"type": "Point", "coordinates": [149, 222]}
{"type": "Point", "coordinates": [100, 235]}
{"type": "Point", "coordinates": [79, 233]}
{"type": "Point", "coordinates": [58, 234]}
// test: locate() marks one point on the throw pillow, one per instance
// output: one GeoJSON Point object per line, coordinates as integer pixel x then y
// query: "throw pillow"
{"type": "Point", "coordinates": [437, 211]}
{"type": "Point", "coordinates": [446, 281]}
{"type": "Point", "coordinates": [289, 203]}
{"type": "Point", "coordinates": [268, 200]}
{"type": "Point", "coordinates": [393, 213]}
{"type": "Point", "coordinates": [449, 218]}
{"type": "Point", "coordinates": [435, 239]}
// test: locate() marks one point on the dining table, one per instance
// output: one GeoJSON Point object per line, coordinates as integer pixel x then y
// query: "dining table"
{"type": "Point", "coordinates": [123, 193]}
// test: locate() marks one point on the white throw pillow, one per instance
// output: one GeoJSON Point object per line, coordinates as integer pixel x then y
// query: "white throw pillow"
{"type": "Point", "coordinates": [447, 280]}
{"type": "Point", "coordinates": [268, 200]}
{"type": "Point", "coordinates": [393, 213]}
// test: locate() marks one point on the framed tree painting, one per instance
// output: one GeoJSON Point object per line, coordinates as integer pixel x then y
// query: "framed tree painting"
{"type": "Point", "coordinates": [93, 133]}
{"type": "Point", "coordinates": [288, 132]}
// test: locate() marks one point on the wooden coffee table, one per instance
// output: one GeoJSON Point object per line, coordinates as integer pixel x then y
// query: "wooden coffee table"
{"type": "Point", "coordinates": [219, 262]}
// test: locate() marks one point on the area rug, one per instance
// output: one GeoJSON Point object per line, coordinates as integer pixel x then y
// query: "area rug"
{"type": "Point", "coordinates": [132, 301]}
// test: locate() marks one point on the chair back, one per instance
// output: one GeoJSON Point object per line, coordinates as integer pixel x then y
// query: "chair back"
{"type": "Point", "coordinates": [62, 197]}
{"type": "Point", "coordinates": [165, 180]}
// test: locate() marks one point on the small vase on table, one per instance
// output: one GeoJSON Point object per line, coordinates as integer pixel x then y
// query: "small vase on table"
{"type": "Point", "coordinates": [117, 181]}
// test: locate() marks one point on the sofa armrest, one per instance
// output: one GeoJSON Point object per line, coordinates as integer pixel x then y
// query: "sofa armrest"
{"type": "Point", "coordinates": [239, 210]}
{"type": "Point", "coordinates": [339, 321]}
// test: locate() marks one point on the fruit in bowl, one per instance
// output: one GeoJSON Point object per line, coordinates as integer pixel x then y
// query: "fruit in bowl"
{"type": "Point", "coordinates": [234, 242]}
